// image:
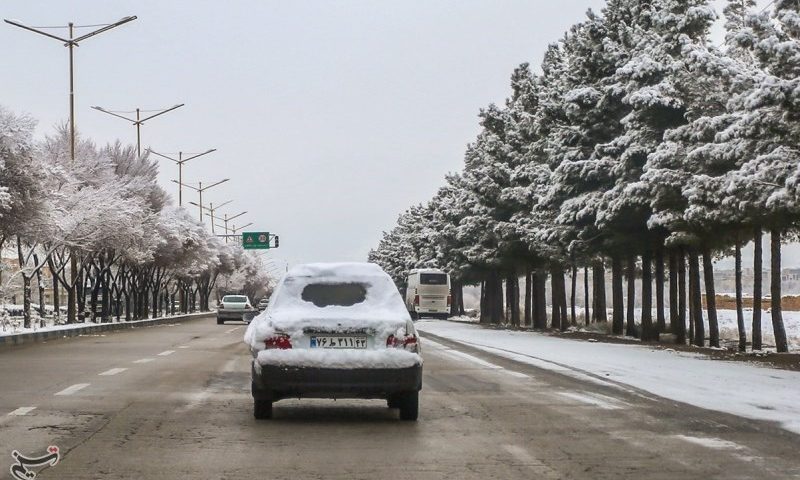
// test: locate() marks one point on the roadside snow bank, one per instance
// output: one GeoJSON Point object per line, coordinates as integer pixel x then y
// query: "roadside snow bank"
{"type": "Point", "coordinates": [737, 388]}
{"type": "Point", "coordinates": [344, 359]}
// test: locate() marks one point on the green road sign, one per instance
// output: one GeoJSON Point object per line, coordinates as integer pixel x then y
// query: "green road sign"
{"type": "Point", "coordinates": [255, 240]}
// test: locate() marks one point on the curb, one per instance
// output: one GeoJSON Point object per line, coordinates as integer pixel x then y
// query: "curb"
{"type": "Point", "coordinates": [38, 337]}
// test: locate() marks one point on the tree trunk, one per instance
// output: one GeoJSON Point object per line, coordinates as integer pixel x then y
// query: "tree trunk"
{"type": "Point", "coordinates": [26, 287]}
{"type": "Point", "coordinates": [555, 309]}
{"type": "Point", "coordinates": [775, 289]}
{"type": "Point", "coordinates": [574, 279]}
{"type": "Point", "coordinates": [562, 297]}
{"type": "Point", "coordinates": [484, 307]}
{"type": "Point", "coordinates": [599, 278]}
{"type": "Point", "coordinates": [497, 316]}
{"type": "Point", "coordinates": [630, 323]}
{"type": "Point", "coordinates": [758, 268]}
{"type": "Point", "coordinates": [673, 290]}
{"type": "Point", "coordinates": [617, 297]}
{"type": "Point", "coordinates": [541, 299]}
{"type": "Point", "coordinates": [679, 327]}
{"type": "Point", "coordinates": [528, 315]}
{"type": "Point", "coordinates": [739, 310]}
{"type": "Point", "coordinates": [661, 321]}
{"type": "Point", "coordinates": [711, 298]}
{"type": "Point", "coordinates": [512, 294]}
{"type": "Point", "coordinates": [649, 331]}
{"type": "Point", "coordinates": [691, 307]}
{"type": "Point", "coordinates": [42, 309]}
{"type": "Point", "coordinates": [586, 295]}
{"type": "Point", "coordinates": [72, 292]}
{"type": "Point", "coordinates": [697, 299]}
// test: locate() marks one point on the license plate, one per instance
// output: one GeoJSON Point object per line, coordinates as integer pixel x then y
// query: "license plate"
{"type": "Point", "coordinates": [339, 341]}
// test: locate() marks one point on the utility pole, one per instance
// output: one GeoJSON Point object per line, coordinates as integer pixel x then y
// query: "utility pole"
{"type": "Point", "coordinates": [200, 189]}
{"type": "Point", "coordinates": [70, 43]}
{"type": "Point", "coordinates": [138, 121]}
{"type": "Point", "coordinates": [180, 161]}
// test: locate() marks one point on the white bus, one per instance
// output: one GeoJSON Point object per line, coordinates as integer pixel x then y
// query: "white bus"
{"type": "Point", "coordinates": [428, 293]}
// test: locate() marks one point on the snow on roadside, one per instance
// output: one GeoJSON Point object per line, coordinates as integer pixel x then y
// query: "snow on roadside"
{"type": "Point", "coordinates": [737, 388]}
{"type": "Point", "coordinates": [50, 327]}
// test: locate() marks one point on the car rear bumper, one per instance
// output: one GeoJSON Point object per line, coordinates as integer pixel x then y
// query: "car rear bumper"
{"type": "Point", "coordinates": [236, 314]}
{"type": "Point", "coordinates": [277, 382]}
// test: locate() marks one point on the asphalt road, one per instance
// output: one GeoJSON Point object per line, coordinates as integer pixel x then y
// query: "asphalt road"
{"type": "Point", "coordinates": [173, 402]}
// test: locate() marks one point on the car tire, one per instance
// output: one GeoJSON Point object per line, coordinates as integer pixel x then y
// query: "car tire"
{"type": "Point", "coordinates": [392, 402]}
{"type": "Point", "coordinates": [220, 321]}
{"type": "Point", "coordinates": [262, 409]}
{"type": "Point", "coordinates": [409, 406]}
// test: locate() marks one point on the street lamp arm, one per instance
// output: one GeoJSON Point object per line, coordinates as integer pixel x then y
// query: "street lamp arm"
{"type": "Point", "coordinates": [236, 216]}
{"type": "Point", "coordinates": [198, 155]}
{"type": "Point", "coordinates": [122, 21]}
{"type": "Point", "coordinates": [188, 186]}
{"type": "Point", "coordinates": [31, 29]}
{"type": "Point", "coordinates": [161, 113]}
{"type": "Point", "coordinates": [214, 184]}
{"type": "Point", "coordinates": [101, 109]}
{"type": "Point", "coordinates": [163, 156]}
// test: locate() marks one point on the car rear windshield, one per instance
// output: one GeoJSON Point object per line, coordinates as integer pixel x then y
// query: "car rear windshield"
{"type": "Point", "coordinates": [433, 278]}
{"type": "Point", "coordinates": [336, 294]}
{"type": "Point", "coordinates": [234, 298]}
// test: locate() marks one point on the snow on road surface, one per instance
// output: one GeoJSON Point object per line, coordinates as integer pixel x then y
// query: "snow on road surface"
{"type": "Point", "coordinates": [737, 388]}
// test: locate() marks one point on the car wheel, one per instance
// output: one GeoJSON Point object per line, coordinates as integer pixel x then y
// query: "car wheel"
{"type": "Point", "coordinates": [409, 406]}
{"type": "Point", "coordinates": [220, 321]}
{"type": "Point", "coordinates": [262, 409]}
{"type": "Point", "coordinates": [393, 402]}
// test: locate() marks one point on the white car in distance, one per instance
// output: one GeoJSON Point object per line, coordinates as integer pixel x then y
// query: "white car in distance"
{"type": "Point", "coordinates": [338, 330]}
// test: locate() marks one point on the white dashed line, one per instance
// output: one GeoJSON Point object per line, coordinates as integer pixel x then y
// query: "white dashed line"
{"type": "Point", "coordinates": [184, 346]}
{"type": "Point", "coordinates": [144, 360]}
{"type": "Point", "coordinates": [166, 352]}
{"type": "Point", "coordinates": [113, 371]}
{"type": "Point", "coordinates": [22, 411]}
{"type": "Point", "coordinates": [73, 389]}
{"type": "Point", "coordinates": [233, 329]}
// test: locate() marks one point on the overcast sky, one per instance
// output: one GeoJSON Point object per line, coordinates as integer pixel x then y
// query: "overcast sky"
{"type": "Point", "coordinates": [330, 117]}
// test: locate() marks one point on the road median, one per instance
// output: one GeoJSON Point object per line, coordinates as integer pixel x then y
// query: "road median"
{"type": "Point", "coordinates": [77, 330]}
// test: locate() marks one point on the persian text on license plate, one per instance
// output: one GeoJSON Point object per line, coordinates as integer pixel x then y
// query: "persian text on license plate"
{"type": "Point", "coordinates": [339, 341]}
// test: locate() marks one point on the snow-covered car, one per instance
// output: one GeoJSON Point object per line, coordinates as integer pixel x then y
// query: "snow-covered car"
{"type": "Point", "coordinates": [235, 307]}
{"type": "Point", "coordinates": [336, 330]}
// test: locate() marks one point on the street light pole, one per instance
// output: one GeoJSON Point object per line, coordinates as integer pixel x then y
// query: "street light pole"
{"type": "Point", "coordinates": [211, 209]}
{"type": "Point", "coordinates": [180, 161]}
{"type": "Point", "coordinates": [200, 189]}
{"type": "Point", "coordinates": [70, 43]}
{"type": "Point", "coordinates": [228, 219]}
{"type": "Point", "coordinates": [138, 121]}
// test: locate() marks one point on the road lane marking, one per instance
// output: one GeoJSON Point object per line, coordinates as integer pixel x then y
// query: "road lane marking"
{"type": "Point", "coordinates": [166, 352]}
{"type": "Point", "coordinates": [595, 400]}
{"type": "Point", "coordinates": [471, 358]}
{"type": "Point", "coordinates": [184, 346]}
{"type": "Point", "coordinates": [144, 360]}
{"type": "Point", "coordinates": [521, 455]}
{"type": "Point", "coordinates": [112, 371]}
{"type": "Point", "coordinates": [73, 389]}
{"type": "Point", "coordinates": [22, 411]}
{"type": "Point", "coordinates": [233, 330]}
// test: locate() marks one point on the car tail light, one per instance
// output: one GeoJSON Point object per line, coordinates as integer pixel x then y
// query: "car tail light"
{"type": "Point", "coordinates": [416, 300]}
{"type": "Point", "coordinates": [449, 299]}
{"type": "Point", "coordinates": [409, 342]}
{"type": "Point", "coordinates": [280, 341]}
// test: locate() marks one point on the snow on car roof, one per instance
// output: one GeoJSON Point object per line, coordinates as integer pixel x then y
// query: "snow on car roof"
{"type": "Point", "coordinates": [381, 309]}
